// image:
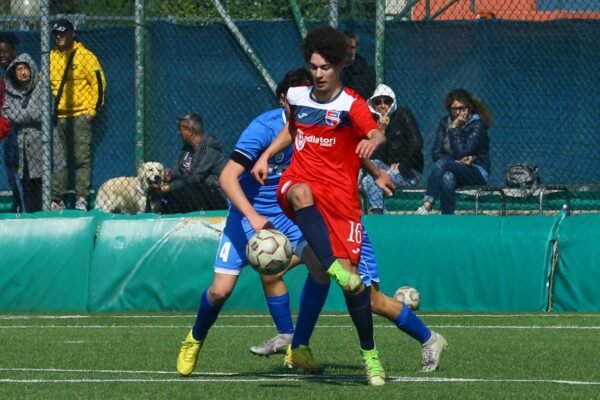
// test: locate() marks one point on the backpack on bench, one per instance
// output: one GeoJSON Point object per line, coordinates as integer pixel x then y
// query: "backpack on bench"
{"type": "Point", "coordinates": [523, 176]}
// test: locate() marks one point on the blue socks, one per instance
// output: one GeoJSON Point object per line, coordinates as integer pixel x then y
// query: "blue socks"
{"type": "Point", "coordinates": [409, 323]}
{"type": "Point", "coordinates": [359, 307]}
{"type": "Point", "coordinates": [279, 306]}
{"type": "Point", "coordinates": [313, 227]}
{"type": "Point", "coordinates": [207, 315]}
{"type": "Point", "coordinates": [311, 303]}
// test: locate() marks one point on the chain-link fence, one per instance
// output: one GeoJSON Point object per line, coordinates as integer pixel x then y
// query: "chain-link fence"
{"type": "Point", "coordinates": [139, 65]}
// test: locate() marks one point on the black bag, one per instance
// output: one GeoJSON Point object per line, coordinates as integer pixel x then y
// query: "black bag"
{"type": "Point", "coordinates": [524, 176]}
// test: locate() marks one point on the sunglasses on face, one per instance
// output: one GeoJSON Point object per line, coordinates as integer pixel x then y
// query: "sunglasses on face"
{"type": "Point", "coordinates": [386, 101]}
{"type": "Point", "coordinates": [459, 108]}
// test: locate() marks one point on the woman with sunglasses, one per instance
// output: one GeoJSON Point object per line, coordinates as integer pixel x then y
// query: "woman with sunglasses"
{"type": "Point", "coordinates": [401, 156]}
{"type": "Point", "coordinates": [460, 151]}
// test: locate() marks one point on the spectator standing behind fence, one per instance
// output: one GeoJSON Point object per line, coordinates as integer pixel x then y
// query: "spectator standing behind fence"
{"type": "Point", "coordinates": [401, 155]}
{"type": "Point", "coordinates": [193, 182]}
{"type": "Point", "coordinates": [78, 85]}
{"type": "Point", "coordinates": [8, 52]}
{"type": "Point", "coordinates": [358, 75]}
{"type": "Point", "coordinates": [23, 106]}
{"type": "Point", "coordinates": [460, 150]}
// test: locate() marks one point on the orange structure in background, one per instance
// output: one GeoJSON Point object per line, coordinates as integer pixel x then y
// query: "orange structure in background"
{"type": "Point", "coordinates": [498, 9]}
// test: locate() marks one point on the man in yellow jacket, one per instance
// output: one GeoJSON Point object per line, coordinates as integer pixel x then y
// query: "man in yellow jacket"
{"type": "Point", "coordinates": [78, 85]}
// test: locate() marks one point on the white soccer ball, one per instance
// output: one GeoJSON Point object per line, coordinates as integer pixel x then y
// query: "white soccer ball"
{"type": "Point", "coordinates": [409, 296]}
{"type": "Point", "coordinates": [269, 251]}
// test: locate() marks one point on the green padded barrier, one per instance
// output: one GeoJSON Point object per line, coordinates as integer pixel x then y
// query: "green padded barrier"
{"type": "Point", "coordinates": [577, 274]}
{"type": "Point", "coordinates": [474, 263]}
{"type": "Point", "coordinates": [151, 264]}
{"type": "Point", "coordinates": [44, 263]}
{"type": "Point", "coordinates": [164, 264]}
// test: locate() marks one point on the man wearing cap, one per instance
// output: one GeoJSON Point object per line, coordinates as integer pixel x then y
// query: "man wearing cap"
{"type": "Point", "coordinates": [78, 85]}
{"type": "Point", "coordinates": [193, 183]}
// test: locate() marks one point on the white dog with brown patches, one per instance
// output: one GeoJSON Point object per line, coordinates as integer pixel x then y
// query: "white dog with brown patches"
{"type": "Point", "coordinates": [132, 194]}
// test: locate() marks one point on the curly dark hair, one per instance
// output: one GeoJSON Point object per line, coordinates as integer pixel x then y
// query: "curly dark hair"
{"type": "Point", "coordinates": [328, 42]}
{"type": "Point", "coordinates": [476, 106]}
{"type": "Point", "coordinates": [9, 38]}
{"type": "Point", "coordinates": [296, 77]}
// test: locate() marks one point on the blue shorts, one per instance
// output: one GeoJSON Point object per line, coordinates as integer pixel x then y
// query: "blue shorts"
{"type": "Point", "coordinates": [231, 255]}
{"type": "Point", "coordinates": [367, 265]}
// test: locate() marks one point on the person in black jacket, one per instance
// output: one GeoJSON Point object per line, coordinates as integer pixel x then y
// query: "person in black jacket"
{"type": "Point", "coordinates": [358, 75]}
{"type": "Point", "coordinates": [402, 154]}
{"type": "Point", "coordinates": [460, 150]}
{"type": "Point", "coordinates": [193, 182]}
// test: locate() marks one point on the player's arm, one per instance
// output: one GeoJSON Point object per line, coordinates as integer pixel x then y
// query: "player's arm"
{"type": "Point", "coordinates": [282, 141]}
{"type": "Point", "coordinates": [381, 178]}
{"type": "Point", "coordinates": [363, 121]}
{"type": "Point", "coordinates": [367, 147]}
{"type": "Point", "coordinates": [229, 181]}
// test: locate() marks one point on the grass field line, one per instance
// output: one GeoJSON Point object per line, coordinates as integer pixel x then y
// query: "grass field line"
{"type": "Point", "coordinates": [237, 316]}
{"type": "Point", "coordinates": [250, 378]}
{"type": "Point", "coordinates": [217, 326]}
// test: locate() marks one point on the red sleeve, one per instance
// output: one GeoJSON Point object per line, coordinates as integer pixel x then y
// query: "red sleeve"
{"type": "Point", "coordinates": [361, 118]}
{"type": "Point", "coordinates": [4, 128]}
{"type": "Point", "coordinates": [4, 123]}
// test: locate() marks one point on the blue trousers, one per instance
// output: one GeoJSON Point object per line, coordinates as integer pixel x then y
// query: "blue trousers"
{"type": "Point", "coordinates": [445, 177]}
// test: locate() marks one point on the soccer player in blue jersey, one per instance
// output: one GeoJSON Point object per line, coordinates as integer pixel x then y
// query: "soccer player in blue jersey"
{"type": "Point", "coordinates": [254, 207]}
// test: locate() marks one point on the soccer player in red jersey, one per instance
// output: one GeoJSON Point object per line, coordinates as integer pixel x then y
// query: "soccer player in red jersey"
{"type": "Point", "coordinates": [332, 130]}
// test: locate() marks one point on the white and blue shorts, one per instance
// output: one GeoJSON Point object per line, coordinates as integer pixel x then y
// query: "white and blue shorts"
{"type": "Point", "coordinates": [367, 264]}
{"type": "Point", "coordinates": [231, 255]}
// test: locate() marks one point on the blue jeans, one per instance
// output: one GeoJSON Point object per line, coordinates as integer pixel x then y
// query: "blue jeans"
{"type": "Point", "coordinates": [375, 194]}
{"type": "Point", "coordinates": [11, 162]}
{"type": "Point", "coordinates": [446, 175]}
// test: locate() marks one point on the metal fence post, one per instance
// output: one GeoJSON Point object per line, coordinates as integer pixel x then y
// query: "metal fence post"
{"type": "Point", "coordinates": [230, 24]}
{"type": "Point", "coordinates": [47, 125]}
{"type": "Point", "coordinates": [140, 44]}
{"type": "Point", "coordinates": [380, 41]}
{"type": "Point", "coordinates": [298, 17]}
{"type": "Point", "coordinates": [334, 17]}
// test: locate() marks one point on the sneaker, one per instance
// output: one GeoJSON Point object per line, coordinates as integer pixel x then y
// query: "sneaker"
{"type": "Point", "coordinates": [373, 368]}
{"type": "Point", "coordinates": [432, 349]}
{"type": "Point", "coordinates": [303, 359]}
{"type": "Point", "coordinates": [347, 280]}
{"type": "Point", "coordinates": [81, 204]}
{"type": "Point", "coordinates": [57, 205]}
{"type": "Point", "coordinates": [422, 211]}
{"type": "Point", "coordinates": [188, 355]}
{"type": "Point", "coordinates": [277, 345]}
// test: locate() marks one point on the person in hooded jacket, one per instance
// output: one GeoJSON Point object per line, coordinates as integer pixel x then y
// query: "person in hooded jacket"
{"type": "Point", "coordinates": [193, 182]}
{"type": "Point", "coordinates": [401, 155]}
{"type": "Point", "coordinates": [23, 106]}
{"type": "Point", "coordinates": [8, 137]}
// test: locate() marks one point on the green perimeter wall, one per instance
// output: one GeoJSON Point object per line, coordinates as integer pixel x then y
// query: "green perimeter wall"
{"type": "Point", "coordinates": [100, 263]}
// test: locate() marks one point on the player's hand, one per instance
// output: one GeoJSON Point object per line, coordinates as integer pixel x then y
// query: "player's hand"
{"type": "Point", "coordinates": [259, 222]}
{"type": "Point", "coordinates": [395, 167]}
{"type": "Point", "coordinates": [366, 148]}
{"type": "Point", "coordinates": [260, 171]}
{"type": "Point", "coordinates": [385, 183]}
{"type": "Point", "coordinates": [167, 175]}
{"type": "Point", "coordinates": [467, 160]}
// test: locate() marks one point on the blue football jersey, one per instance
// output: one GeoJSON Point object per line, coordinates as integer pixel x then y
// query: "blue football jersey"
{"type": "Point", "coordinates": [251, 143]}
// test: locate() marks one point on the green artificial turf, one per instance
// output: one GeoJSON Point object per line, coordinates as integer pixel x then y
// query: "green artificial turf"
{"type": "Point", "coordinates": [132, 356]}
